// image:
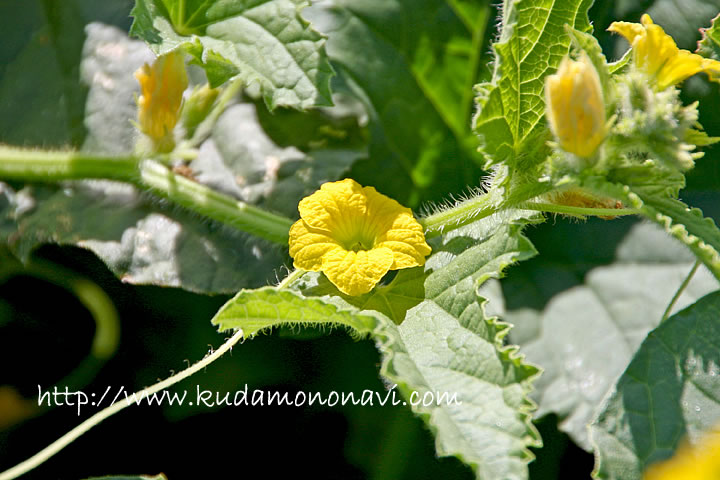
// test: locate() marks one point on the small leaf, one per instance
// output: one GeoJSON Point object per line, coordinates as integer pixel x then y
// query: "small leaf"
{"type": "Point", "coordinates": [265, 42]}
{"type": "Point", "coordinates": [699, 233]}
{"type": "Point", "coordinates": [268, 307]}
{"type": "Point", "coordinates": [393, 300]}
{"type": "Point", "coordinates": [669, 392]}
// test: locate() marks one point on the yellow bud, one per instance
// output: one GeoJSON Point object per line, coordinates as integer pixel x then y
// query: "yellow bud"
{"type": "Point", "coordinates": [162, 86]}
{"type": "Point", "coordinates": [575, 108]}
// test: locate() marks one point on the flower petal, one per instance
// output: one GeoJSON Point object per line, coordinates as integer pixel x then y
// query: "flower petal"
{"type": "Point", "coordinates": [712, 68]}
{"type": "Point", "coordinates": [656, 53]}
{"type": "Point", "coordinates": [336, 207]}
{"type": "Point", "coordinates": [307, 247]}
{"type": "Point", "coordinates": [680, 67]}
{"type": "Point", "coordinates": [406, 239]}
{"type": "Point", "coordinates": [162, 86]}
{"type": "Point", "coordinates": [355, 273]}
{"type": "Point", "coordinates": [628, 30]}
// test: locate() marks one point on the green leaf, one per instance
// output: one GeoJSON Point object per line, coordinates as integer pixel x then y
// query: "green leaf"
{"type": "Point", "coordinates": [393, 300]}
{"type": "Point", "coordinates": [446, 344]}
{"type": "Point", "coordinates": [264, 308]}
{"type": "Point", "coordinates": [428, 54]}
{"type": "Point", "coordinates": [265, 42]}
{"type": "Point", "coordinates": [586, 335]}
{"type": "Point", "coordinates": [511, 107]}
{"type": "Point", "coordinates": [669, 392]}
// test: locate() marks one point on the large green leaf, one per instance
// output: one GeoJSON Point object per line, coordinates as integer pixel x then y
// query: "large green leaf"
{"type": "Point", "coordinates": [265, 42]}
{"type": "Point", "coordinates": [585, 336]}
{"type": "Point", "coordinates": [146, 241]}
{"type": "Point", "coordinates": [669, 391]}
{"type": "Point", "coordinates": [511, 107]}
{"type": "Point", "coordinates": [413, 63]}
{"type": "Point", "coordinates": [447, 344]}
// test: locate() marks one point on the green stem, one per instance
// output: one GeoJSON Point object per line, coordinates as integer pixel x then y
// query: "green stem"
{"type": "Point", "coordinates": [487, 204]}
{"type": "Point", "coordinates": [578, 211]}
{"type": "Point", "coordinates": [680, 290]}
{"type": "Point", "coordinates": [291, 278]}
{"type": "Point", "coordinates": [107, 412]}
{"type": "Point", "coordinates": [39, 166]}
{"type": "Point", "coordinates": [461, 214]}
{"type": "Point", "coordinates": [212, 204]}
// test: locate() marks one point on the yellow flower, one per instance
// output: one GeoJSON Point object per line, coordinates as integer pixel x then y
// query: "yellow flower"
{"type": "Point", "coordinates": [355, 235]}
{"type": "Point", "coordinates": [656, 53]}
{"type": "Point", "coordinates": [162, 87]}
{"type": "Point", "coordinates": [574, 106]}
{"type": "Point", "coordinates": [699, 462]}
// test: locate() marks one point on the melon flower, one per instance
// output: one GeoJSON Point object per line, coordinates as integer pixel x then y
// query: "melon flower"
{"type": "Point", "coordinates": [161, 86]}
{"type": "Point", "coordinates": [574, 106]}
{"type": "Point", "coordinates": [355, 235]}
{"type": "Point", "coordinates": [656, 53]}
{"type": "Point", "coordinates": [691, 462]}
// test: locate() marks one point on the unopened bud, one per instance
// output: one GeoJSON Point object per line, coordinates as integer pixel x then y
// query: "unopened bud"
{"type": "Point", "coordinates": [575, 108]}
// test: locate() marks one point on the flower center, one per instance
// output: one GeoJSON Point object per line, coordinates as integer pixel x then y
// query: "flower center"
{"type": "Point", "coordinates": [361, 245]}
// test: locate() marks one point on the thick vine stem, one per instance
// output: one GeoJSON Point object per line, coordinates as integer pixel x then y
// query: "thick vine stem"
{"type": "Point", "coordinates": [43, 166]}
{"type": "Point", "coordinates": [40, 166]}
{"type": "Point", "coordinates": [105, 413]}
{"type": "Point", "coordinates": [212, 204]}
{"type": "Point", "coordinates": [487, 204]}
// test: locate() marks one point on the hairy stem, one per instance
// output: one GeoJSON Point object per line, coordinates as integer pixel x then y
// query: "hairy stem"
{"type": "Point", "coordinates": [461, 214]}
{"type": "Point", "coordinates": [489, 203]}
{"type": "Point", "coordinates": [38, 166]}
{"type": "Point", "coordinates": [201, 199]}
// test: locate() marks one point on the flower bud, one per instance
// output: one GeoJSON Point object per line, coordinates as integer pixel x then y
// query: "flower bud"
{"type": "Point", "coordinates": [162, 86]}
{"type": "Point", "coordinates": [575, 108]}
{"type": "Point", "coordinates": [198, 106]}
